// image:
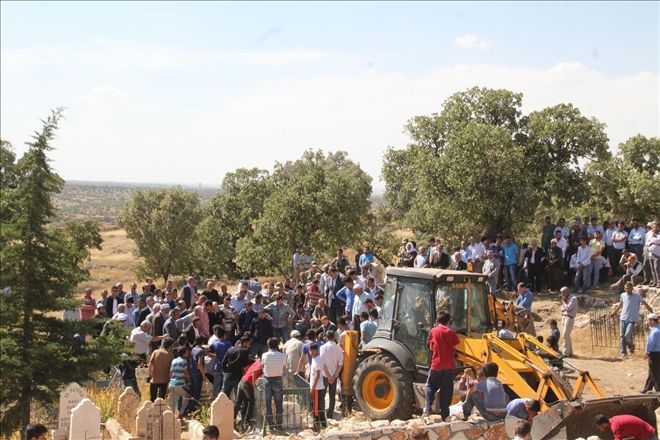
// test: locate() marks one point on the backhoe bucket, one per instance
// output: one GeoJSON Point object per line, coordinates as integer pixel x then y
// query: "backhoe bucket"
{"type": "Point", "coordinates": [570, 420]}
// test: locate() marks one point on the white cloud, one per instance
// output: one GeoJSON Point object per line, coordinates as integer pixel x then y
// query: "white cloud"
{"type": "Point", "coordinates": [470, 41]}
{"type": "Point", "coordinates": [113, 134]}
{"type": "Point", "coordinates": [107, 55]}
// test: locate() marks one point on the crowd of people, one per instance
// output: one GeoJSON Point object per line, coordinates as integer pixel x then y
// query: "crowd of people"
{"type": "Point", "coordinates": [581, 256]}
{"type": "Point", "coordinates": [190, 338]}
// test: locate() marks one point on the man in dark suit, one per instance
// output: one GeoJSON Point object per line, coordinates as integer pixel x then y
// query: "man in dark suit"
{"type": "Point", "coordinates": [112, 302]}
{"type": "Point", "coordinates": [534, 261]}
{"type": "Point", "coordinates": [189, 292]}
{"type": "Point", "coordinates": [333, 285]}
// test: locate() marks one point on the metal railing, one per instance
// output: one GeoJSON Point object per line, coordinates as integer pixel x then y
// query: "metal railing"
{"type": "Point", "coordinates": [606, 330]}
{"type": "Point", "coordinates": [296, 406]}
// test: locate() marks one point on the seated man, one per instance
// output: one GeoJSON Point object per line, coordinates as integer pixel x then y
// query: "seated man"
{"type": "Point", "coordinates": [633, 274]}
{"type": "Point", "coordinates": [487, 396]}
{"type": "Point", "coordinates": [525, 409]}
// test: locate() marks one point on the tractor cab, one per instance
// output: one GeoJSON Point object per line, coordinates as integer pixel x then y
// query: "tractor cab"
{"type": "Point", "coordinates": [413, 297]}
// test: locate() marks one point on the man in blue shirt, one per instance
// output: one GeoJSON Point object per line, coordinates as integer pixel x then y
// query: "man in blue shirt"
{"type": "Point", "coordinates": [524, 299]}
{"type": "Point", "coordinates": [219, 349]}
{"type": "Point", "coordinates": [343, 303]}
{"type": "Point", "coordinates": [629, 305]}
{"type": "Point", "coordinates": [523, 307]}
{"type": "Point", "coordinates": [653, 354]}
{"type": "Point", "coordinates": [510, 250]}
{"type": "Point", "coordinates": [366, 257]}
{"type": "Point", "coordinates": [523, 408]}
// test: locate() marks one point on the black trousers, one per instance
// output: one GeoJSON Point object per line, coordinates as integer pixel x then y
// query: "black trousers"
{"type": "Point", "coordinates": [331, 388]}
{"type": "Point", "coordinates": [157, 390]}
{"type": "Point", "coordinates": [535, 274]}
{"type": "Point", "coordinates": [244, 401]}
{"type": "Point", "coordinates": [653, 378]}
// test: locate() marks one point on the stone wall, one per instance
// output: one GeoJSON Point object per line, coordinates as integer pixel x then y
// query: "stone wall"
{"type": "Point", "coordinates": [415, 429]}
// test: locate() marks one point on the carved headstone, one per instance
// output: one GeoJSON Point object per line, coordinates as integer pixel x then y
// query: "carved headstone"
{"type": "Point", "coordinates": [85, 422]}
{"type": "Point", "coordinates": [222, 416]}
{"type": "Point", "coordinates": [155, 418]}
{"type": "Point", "coordinates": [167, 427]}
{"type": "Point", "coordinates": [141, 419]}
{"type": "Point", "coordinates": [70, 397]}
{"type": "Point", "coordinates": [127, 407]}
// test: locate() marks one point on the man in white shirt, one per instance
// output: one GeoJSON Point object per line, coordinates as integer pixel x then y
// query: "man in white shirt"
{"type": "Point", "coordinates": [317, 387]}
{"type": "Point", "coordinates": [273, 363]}
{"type": "Point", "coordinates": [619, 238]}
{"type": "Point", "coordinates": [141, 337]}
{"type": "Point", "coordinates": [476, 255]}
{"type": "Point", "coordinates": [358, 304]}
{"type": "Point", "coordinates": [636, 238]}
{"type": "Point", "coordinates": [583, 271]}
{"type": "Point", "coordinates": [333, 360]}
{"type": "Point", "coordinates": [562, 243]}
{"type": "Point", "coordinates": [561, 227]}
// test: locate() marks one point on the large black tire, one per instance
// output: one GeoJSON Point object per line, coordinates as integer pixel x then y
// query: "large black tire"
{"type": "Point", "coordinates": [383, 389]}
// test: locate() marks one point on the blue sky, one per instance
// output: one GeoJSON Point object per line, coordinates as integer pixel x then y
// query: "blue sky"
{"type": "Point", "coordinates": [245, 84]}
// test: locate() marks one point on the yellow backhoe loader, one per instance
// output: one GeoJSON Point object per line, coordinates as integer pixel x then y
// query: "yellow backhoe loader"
{"type": "Point", "coordinates": [388, 374]}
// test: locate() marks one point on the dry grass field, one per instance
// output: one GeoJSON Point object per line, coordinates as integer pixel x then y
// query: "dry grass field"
{"type": "Point", "coordinates": [112, 264]}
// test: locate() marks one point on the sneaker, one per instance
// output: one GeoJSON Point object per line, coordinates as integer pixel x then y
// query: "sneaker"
{"type": "Point", "coordinates": [622, 356]}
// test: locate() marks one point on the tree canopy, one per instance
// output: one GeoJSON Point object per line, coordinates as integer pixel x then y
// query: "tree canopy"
{"type": "Point", "coordinates": [317, 203]}
{"type": "Point", "coordinates": [163, 224]}
{"type": "Point", "coordinates": [482, 166]}
{"type": "Point", "coordinates": [40, 267]}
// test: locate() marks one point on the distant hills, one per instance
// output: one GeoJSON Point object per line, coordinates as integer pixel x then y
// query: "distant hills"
{"type": "Point", "coordinates": [103, 201]}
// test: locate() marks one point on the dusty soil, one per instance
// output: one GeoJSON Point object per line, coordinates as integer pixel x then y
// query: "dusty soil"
{"type": "Point", "coordinates": [615, 376]}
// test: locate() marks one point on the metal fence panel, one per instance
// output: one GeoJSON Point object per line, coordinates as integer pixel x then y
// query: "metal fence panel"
{"type": "Point", "coordinates": [295, 405]}
{"type": "Point", "coordinates": [606, 330]}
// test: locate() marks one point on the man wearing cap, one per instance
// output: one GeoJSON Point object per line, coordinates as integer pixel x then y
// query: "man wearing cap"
{"type": "Point", "coordinates": [293, 350]}
{"type": "Point", "coordinates": [629, 305]}
{"type": "Point", "coordinates": [652, 353]}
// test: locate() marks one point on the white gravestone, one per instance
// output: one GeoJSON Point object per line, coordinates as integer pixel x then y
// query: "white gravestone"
{"type": "Point", "coordinates": [85, 422]}
{"type": "Point", "coordinates": [155, 418]}
{"type": "Point", "coordinates": [167, 427]}
{"type": "Point", "coordinates": [222, 416]}
{"type": "Point", "coordinates": [70, 397]}
{"type": "Point", "coordinates": [141, 419]}
{"type": "Point", "coordinates": [127, 408]}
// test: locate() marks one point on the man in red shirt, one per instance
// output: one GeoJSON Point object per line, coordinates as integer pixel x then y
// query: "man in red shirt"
{"type": "Point", "coordinates": [441, 343]}
{"type": "Point", "coordinates": [245, 394]}
{"type": "Point", "coordinates": [626, 426]}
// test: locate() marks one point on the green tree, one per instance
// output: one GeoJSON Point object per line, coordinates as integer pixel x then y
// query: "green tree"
{"type": "Point", "coordinates": [481, 166]}
{"type": "Point", "coordinates": [162, 222]}
{"type": "Point", "coordinates": [318, 203]}
{"type": "Point", "coordinates": [229, 217]}
{"type": "Point", "coordinates": [628, 184]}
{"type": "Point", "coordinates": [40, 267]}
